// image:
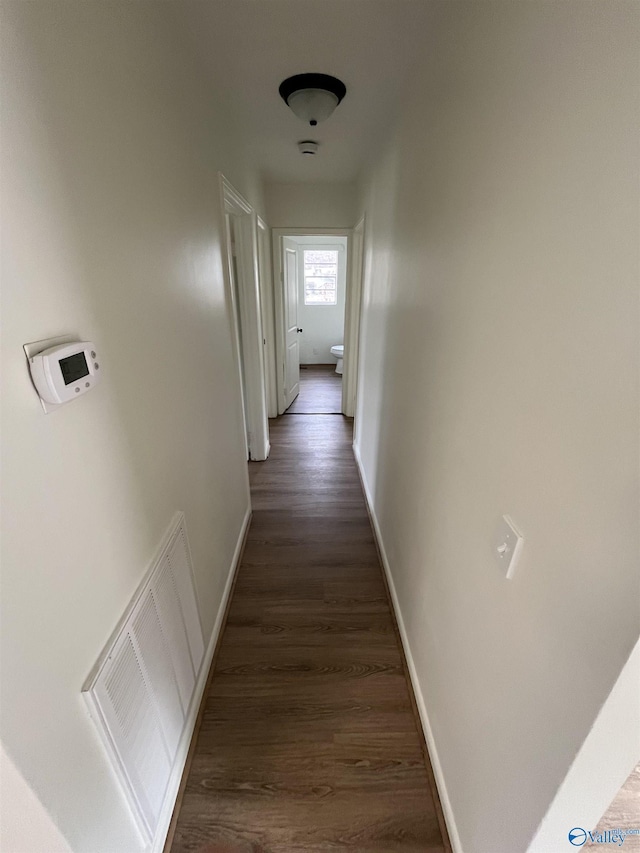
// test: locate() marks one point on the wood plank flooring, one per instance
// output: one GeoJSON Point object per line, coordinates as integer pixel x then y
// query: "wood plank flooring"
{"type": "Point", "coordinates": [320, 391]}
{"type": "Point", "coordinates": [308, 742]}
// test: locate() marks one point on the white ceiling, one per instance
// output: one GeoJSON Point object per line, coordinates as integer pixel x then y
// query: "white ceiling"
{"type": "Point", "coordinates": [247, 47]}
{"type": "Point", "coordinates": [319, 240]}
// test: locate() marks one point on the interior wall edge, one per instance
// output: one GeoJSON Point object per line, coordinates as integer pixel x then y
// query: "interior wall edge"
{"type": "Point", "coordinates": [603, 753]}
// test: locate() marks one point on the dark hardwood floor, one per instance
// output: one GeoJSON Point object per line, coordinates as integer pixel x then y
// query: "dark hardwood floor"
{"type": "Point", "coordinates": [320, 391]}
{"type": "Point", "coordinates": [308, 740]}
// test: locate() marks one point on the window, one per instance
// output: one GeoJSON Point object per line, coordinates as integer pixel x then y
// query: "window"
{"type": "Point", "coordinates": [320, 277]}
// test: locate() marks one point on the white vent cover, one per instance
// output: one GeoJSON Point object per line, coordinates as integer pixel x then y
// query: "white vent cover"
{"type": "Point", "coordinates": [142, 686]}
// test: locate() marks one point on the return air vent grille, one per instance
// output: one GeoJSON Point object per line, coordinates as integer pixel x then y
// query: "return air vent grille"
{"type": "Point", "coordinates": [142, 687]}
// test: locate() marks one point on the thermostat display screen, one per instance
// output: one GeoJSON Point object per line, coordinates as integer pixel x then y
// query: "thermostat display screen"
{"type": "Point", "coordinates": [73, 368]}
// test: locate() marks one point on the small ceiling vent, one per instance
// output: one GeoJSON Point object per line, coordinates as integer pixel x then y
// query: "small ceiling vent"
{"type": "Point", "coordinates": [308, 147]}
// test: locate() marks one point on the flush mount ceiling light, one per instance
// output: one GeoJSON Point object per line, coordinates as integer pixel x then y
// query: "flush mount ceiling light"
{"type": "Point", "coordinates": [312, 97]}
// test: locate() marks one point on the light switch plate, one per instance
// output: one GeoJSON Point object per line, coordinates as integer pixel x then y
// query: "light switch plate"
{"type": "Point", "coordinates": [507, 546]}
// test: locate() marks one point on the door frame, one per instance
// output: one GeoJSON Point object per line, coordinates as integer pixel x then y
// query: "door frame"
{"type": "Point", "coordinates": [289, 391]}
{"type": "Point", "coordinates": [352, 315]}
{"type": "Point", "coordinates": [250, 349]}
{"type": "Point", "coordinates": [352, 310]}
{"type": "Point", "coordinates": [265, 270]}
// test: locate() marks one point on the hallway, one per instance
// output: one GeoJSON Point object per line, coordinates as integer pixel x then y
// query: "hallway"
{"type": "Point", "coordinates": [308, 740]}
{"type": "Point", "coordinates": [161, 204]}
{"type": "Point", "coordinates": [320, 391]}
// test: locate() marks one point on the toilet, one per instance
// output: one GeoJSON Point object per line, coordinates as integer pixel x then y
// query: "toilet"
{"type": "Point", "coordinates": [338, 352]}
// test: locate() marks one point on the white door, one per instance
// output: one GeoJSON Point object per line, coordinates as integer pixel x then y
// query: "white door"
{"type": "Point", "coordinates": [235, 306]}
{"type": "Point", "coordinates": [291, 349]}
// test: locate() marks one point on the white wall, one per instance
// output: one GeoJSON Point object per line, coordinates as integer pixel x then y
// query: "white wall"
{"type": "Point", "coordinates": [500, 375]}
{"type": "Point", "coordinates": [26, 826]}
{"type": "Point", "coordinates": [111, 231]}
{"type": "Point", "coordinates": [311, 205]}
{"type": "Point", "coordinates": [322, 325]}
{"type": "Point", "coordinates": [607, 757]}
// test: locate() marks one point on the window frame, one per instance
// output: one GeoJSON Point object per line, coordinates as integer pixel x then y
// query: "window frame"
{"type": "Point", "coordinates": [335, 249]}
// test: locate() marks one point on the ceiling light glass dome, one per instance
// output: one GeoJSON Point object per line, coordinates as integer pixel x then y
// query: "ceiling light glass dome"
{"type": "Point", "coordinates": [312, 97]}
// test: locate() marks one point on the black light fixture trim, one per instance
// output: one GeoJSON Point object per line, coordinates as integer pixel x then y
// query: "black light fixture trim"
{"type": "Point", "coordinates": [312, 81]}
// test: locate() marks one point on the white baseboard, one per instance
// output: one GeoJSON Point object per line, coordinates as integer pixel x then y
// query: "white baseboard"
{"type": "Point", "coordinates": [164, 821]}
{"type": "Point", "coordinates": [452, 829]}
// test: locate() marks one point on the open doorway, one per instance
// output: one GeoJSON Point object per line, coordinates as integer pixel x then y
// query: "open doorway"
{"type": "Point", "coordinates": [321, 282]}
{"type": "Point", "coordinates": [316, 347]}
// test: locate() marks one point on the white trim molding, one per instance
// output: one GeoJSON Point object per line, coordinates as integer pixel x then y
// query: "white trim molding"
{"type": "Point", "coordinates": [265, 270]}
{"type": "Point", "coordinates": [352, 314]}
{"type": "Point", "coordinates": [454, 836]}
{"type": "Point", "coordinates": [249, 346]}
{"type": "Point", "coordinates": [164, 821]}
{"type": "Point", "coordinates": [352, 311]}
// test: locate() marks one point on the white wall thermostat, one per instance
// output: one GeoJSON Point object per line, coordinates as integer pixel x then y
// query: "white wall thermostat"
{"type": "Point", "coordinates": [63, 371]}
